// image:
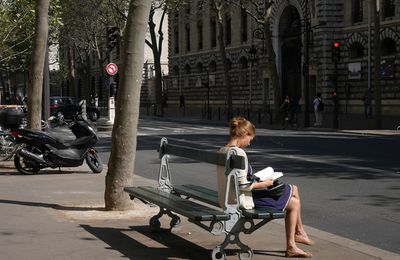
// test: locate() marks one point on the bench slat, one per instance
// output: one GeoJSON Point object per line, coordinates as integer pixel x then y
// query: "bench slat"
{"type": "Point", "coordinates": [198, 193]}
{"type": "Point", "coordinates": [212, 157]}
{"type": "Point", "coordinates": [176, 204]}
{"type": "Point", "coordinates": [263, 213]}
{"type": "Point", "coordinates": [211, 196]}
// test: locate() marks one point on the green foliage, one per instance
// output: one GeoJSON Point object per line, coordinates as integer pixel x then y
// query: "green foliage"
{"type": "Point", "coordinates": [17, 18]}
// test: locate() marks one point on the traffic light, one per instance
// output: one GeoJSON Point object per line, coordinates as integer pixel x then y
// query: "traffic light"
{"type": "Point", "coordinates": [112, 37]}
{"type": "Point", "coordinates": [336, 51]}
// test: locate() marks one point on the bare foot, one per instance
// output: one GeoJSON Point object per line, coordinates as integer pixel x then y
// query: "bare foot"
{"type": "Point", "coordinates": [298, 253]}
{"type": "Point", "coordinates": [304, 240]}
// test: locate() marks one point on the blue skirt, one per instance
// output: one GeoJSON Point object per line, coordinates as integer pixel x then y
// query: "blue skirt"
{"type": "Point", "coordinates": [263, 199]}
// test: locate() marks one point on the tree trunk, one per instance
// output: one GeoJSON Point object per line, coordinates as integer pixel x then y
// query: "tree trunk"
{"type": "Point", "coordinates": [377, 63]}
{"type": "Point", "coordinates": [156, 49]}
{"type": "Point", "coordinates": [272, 70]}
{"type": "Point", "coordinates": [124, 134]}
{"type": "Point", "coordinates": [72, 72]}
{"type": "Point", "coordinates": [222, 50]}
{"type": "Point", "coordinates": [38, 57]}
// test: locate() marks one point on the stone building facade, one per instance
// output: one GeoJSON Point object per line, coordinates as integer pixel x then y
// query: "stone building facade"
{"type": "Point", "coordinates": [195, 63]}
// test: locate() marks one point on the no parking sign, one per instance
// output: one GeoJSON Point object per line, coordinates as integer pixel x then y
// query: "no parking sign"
{"type": "Point", "coordinates": [112, 69]}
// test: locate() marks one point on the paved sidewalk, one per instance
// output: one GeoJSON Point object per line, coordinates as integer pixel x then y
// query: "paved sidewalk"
{"type": "Point", "coordinates": [59, 215]}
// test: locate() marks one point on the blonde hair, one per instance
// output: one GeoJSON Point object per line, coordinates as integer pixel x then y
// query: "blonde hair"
{"type": "Point", "coordinates": [240, 127]}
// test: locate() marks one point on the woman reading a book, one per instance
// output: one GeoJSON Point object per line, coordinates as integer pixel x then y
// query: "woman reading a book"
{"type": "Point", "coordinates": [254, 192]}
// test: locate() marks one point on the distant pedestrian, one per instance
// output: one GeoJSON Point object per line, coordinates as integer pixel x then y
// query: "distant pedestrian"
{"type": "Point", "coordinates": [182, 101]}
{"type": "Point", "coordinates": [367, 104]}
{"type": "Point", "coordinates": [96, 100]}
{"type": "Point", "coordinates": [318, 108]}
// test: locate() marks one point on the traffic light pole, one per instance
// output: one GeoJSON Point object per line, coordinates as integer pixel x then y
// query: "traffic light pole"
{"type": "Point", "coordinates": [335, 100]}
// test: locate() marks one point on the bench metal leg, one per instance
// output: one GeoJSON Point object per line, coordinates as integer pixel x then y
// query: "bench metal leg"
{"type": "Point", "coordinates": [245, 253]}
{"type": "Point", "coordinates": [245, 226]}
{"type": "Point", "coordinates": [155, 223]}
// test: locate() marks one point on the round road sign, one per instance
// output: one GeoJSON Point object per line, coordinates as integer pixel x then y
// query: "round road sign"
{"type": "Point", "coordinates": [112, 69]}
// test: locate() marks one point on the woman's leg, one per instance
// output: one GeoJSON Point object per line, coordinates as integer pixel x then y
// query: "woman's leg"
{"type": "Point", "coordinates": [300, 234]}
{"type": "Point", "coordinates": [292, 213]}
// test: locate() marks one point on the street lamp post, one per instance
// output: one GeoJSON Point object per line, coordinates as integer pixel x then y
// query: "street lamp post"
{"type": "Point", "coordinates": [207, 84]}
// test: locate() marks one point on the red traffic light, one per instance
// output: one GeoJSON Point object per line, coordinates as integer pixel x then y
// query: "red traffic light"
{"type": "Point", "coordinates": [336, 44]}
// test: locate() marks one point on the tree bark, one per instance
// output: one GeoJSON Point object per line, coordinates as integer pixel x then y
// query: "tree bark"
{"type": "Point", "coordinates": [156, 49]}
{"type": "Point", "coordinates": [71, 70]}
{"type": "Point", "coordinates": [219, 7]}
{"type": "Point", "coordinates": [272, 69]}
{"type": "Point", "coordinates": [37, 64]}
{"type": "Point", "coordinates": [124, 134]}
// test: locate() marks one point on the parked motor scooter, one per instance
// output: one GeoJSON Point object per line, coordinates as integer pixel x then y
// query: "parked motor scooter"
{"type": "Point", "coordinates": [42, 150]}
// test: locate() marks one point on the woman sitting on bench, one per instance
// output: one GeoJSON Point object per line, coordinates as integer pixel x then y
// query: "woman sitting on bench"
{"type": "Point", "coordinates": [254, 193]}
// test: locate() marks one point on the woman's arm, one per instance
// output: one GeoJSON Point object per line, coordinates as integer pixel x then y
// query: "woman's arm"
{"type": "Point", "coordinates": [263, 184]}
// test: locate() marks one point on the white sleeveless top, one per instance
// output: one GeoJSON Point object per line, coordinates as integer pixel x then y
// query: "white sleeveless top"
{"type": "Point", "coordinates": [245, 186]}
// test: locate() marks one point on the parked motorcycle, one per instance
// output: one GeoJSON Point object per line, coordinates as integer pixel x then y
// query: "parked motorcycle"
{"type": "Point", "coordinates": [41, 149]}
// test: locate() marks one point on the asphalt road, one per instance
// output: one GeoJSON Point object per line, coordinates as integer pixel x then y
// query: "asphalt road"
{"type": "Point", "coordinates": [349, 184]}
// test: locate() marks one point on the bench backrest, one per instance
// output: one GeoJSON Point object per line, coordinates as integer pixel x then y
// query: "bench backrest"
{"type": "Point", "coordinates": [212, 157]}
{"type": "Point", "coordinates": [231, 163]}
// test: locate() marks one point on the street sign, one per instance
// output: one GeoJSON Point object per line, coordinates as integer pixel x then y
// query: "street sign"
{"type": "Point", "coordinates": [112, 69]}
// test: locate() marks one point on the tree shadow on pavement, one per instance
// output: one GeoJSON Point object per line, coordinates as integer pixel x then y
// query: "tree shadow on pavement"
{"type": "Point", "coordinates": [150, 245]}
{"type": "Point", "coordinates": [50, 205]}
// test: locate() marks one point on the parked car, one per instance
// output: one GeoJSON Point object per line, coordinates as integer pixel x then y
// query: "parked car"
{"type": "Point", "coordinates": [69, 106]}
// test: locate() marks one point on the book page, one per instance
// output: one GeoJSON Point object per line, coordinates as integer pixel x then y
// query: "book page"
{"type": "Point", "coordinates": [268, 173]}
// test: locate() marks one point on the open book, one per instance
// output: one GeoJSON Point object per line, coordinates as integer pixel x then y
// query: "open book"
{"type": "Point", "coordinates": [268, 173]}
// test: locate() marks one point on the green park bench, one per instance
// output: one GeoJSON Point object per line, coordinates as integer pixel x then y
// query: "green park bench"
{"type": "Point", "coordinates": [199, 204]}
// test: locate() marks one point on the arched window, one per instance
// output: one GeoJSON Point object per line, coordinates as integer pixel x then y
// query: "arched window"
{"type": "Point", "coordinates": [229, 63]}
{"type": "Point", "coordinates": [187, 69]}
{"type": "Point", "coordinates": [213, 66]}
{"type": "Point", "coordinates": [199, 67]}
{"type": "Point", "coordinates": [356, 50]}
{"type": "Point", "coordinates": [388, 47]}
{"type": "Point", "coordinates": [175, 70]}
{"type": "Point", "coordinates": [243, 63]}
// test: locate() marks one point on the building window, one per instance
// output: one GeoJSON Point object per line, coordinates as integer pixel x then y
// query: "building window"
{"type": "Point", "coordinates": [228, 30]}
{"type": "Point", "coordinates": [187, 69]}
{"type": "Point", "coordinates": [356, 11]}
{"type": "Point", "coordinates": [187, 39]}
{"type": "Point", "coordinates": [176, 40]}
{"type": "Point", "coordinates": [243, 26]}
{"type": "Point", "coordinates": [200, 36]}
{"type": "Point", "coordinates": [388, 47]}
{"type": "Point", "coordinates": [388, 8]}
{"type": "Point", "coordinates": [356, 50]}
{"type": "Point", "coordinates": [187, 7]}
{"type": "Point", "coordinates": [199, 67]}
{"type": "Point", "coordinates": [229, 64]}
{"type": "Point", "coordinates": [213, 32]}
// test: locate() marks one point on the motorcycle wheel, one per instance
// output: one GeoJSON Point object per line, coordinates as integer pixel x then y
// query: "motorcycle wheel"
{"type": "Point", "coordinates": [24, 165]}
{"type": "Point", "coordinates": [94, 162]}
